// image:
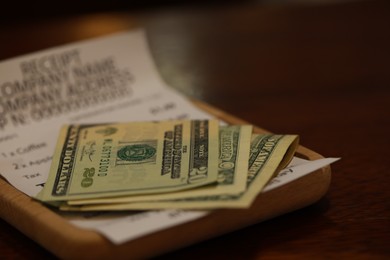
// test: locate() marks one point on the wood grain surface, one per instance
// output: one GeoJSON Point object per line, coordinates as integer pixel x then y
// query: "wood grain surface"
{"type": "Point", "coordinates": [318, 70]}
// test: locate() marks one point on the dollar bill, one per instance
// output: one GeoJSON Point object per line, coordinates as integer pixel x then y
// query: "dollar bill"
{"type": "Point", "coordinates": [234, 144]}
{"type": "Point", "coordinates": [268, 154]}
{"type": "Point", "coordinates": [92, 161]}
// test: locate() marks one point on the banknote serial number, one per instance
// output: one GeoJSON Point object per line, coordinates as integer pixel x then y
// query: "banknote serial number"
{"type": "Point", "coordinates": [105, 158]}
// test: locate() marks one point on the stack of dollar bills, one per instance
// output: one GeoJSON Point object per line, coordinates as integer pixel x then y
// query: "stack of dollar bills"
{"type": "Point", "coordinates": [184, 164]}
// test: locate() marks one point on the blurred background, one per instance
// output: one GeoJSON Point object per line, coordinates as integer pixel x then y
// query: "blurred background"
{"type": "Point", "coordinates": [317, 51]}
{"type": "Point", "coordinates": [21, 9]}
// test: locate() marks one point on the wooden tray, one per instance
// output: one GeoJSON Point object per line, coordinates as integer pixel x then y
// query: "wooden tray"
{"type": "Point", "coordinates": [67, 241]}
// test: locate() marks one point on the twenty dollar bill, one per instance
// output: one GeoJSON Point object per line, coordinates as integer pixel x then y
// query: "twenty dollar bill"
{"type": "Point", "coordinates": [234, 144]}
{"type": "Point", "coordinates": [132, 158]}
{"type": "Point", "coordinates": [268, 154]}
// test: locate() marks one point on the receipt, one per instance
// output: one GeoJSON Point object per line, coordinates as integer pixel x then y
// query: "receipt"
{"type": "Point", "coordinates": [107, 79]}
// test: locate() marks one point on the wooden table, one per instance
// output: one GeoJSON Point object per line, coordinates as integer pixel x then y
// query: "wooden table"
{"type": "Point", "coordinates": [320, 71]}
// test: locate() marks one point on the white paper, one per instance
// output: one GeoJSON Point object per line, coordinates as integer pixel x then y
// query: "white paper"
{"type": "Point", "coordinates": [139, 224]}
{"type": "Point", "coordinates": [297, 169]}
{"type": "Point", "coordinates": [40, 92]}
{"type": "Point", "coordinates": [30, 101]}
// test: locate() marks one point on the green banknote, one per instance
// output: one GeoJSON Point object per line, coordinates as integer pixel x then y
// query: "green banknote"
{"type": "Point", "coordinates": [92, 161]}
{"type": "Point", "coordinates": [268, 154]}
{"type": "Point", "coordinates": [234, 144]}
